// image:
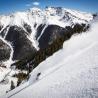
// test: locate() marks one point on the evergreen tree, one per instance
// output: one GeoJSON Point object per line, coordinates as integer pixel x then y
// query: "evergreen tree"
{"type": "Point", "coordinates": [12, 85]}
{"type": "Point", "coordinates": [18, 82]}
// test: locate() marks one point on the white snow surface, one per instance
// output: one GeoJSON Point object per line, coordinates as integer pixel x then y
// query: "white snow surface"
{"type": "Point", "coordinates": [72, 72]}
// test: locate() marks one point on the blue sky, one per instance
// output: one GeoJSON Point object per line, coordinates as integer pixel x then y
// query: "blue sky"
{"type": "Point", "coordinates": [9, 6]}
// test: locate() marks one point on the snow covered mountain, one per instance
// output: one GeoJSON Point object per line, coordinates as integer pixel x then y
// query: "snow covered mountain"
{"type": "Point", "coordinates": [27, 28]}
{"type": "Point", "coordinates": [24, 33]}
{"type": "Point", "coordinates": [72, 72]}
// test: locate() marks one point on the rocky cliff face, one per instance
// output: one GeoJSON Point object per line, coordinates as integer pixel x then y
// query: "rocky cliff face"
{"type": "Point", "coordinates": [21, 45]}
{"type": "Point", "coordinates": [4, 51]}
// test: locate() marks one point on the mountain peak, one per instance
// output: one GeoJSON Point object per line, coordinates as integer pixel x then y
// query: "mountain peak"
{"type": "Point", "coordinates": [34, 9]}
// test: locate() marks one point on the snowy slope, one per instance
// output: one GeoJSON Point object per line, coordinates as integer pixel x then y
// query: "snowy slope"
{"type": "Point", "coordinates": [71, 72]}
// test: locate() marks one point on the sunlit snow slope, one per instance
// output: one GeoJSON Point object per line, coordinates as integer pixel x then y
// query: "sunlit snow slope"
{"type": "Point", "coordinates": [72, 72]}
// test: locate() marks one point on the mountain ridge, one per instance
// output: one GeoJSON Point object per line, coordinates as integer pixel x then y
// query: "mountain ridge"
{"type": "Point", "coordinates": [29, 21]}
